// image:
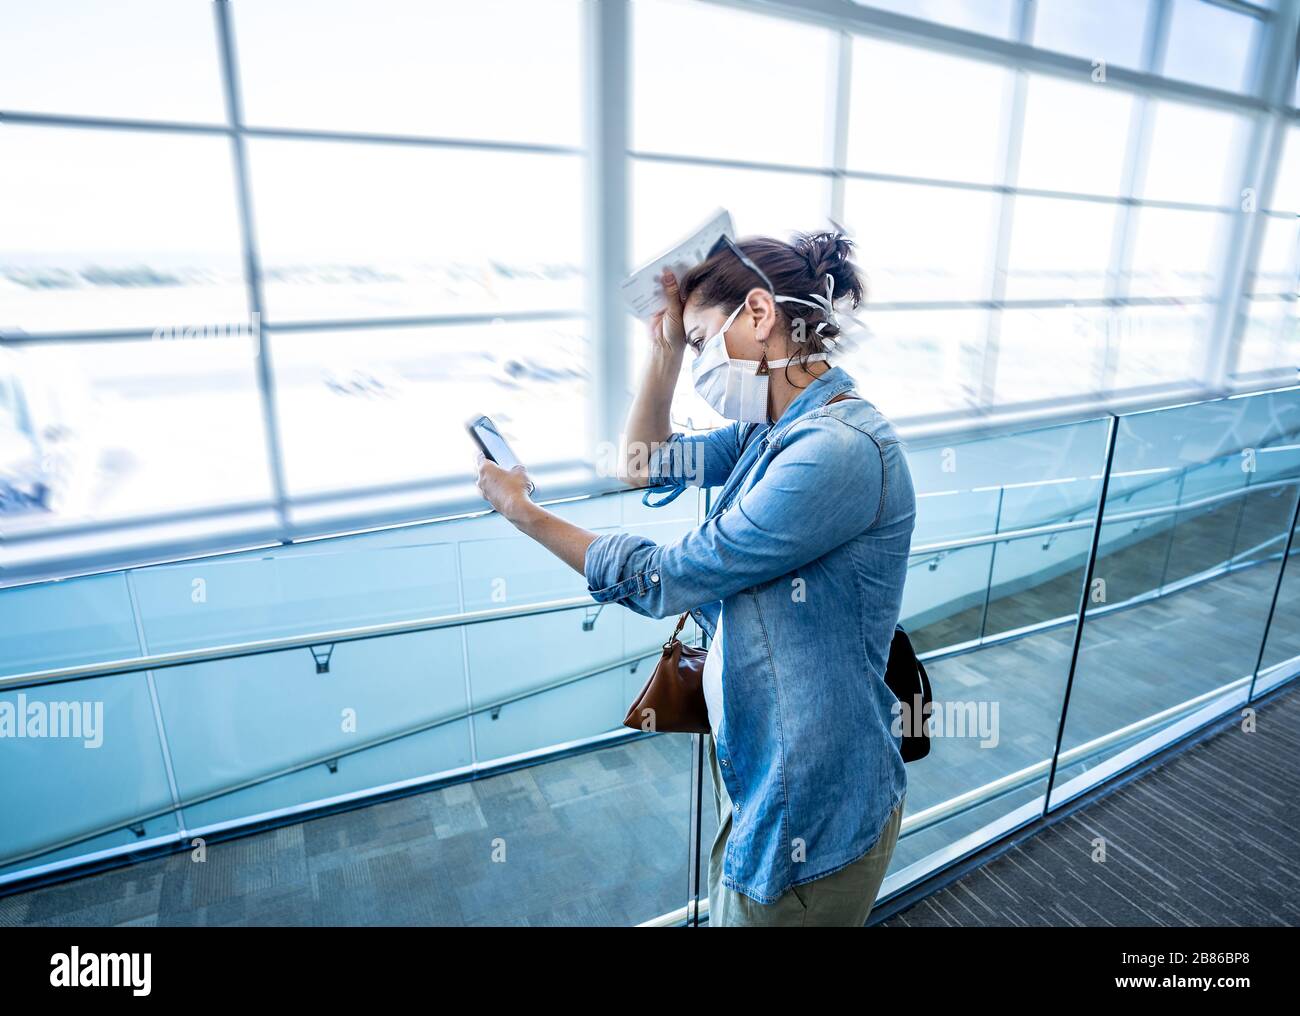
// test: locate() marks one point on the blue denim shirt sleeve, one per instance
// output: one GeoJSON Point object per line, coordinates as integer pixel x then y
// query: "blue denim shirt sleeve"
{"type": "Point", "coordinates": [701, 460]}
{"type": "Point", "coordinates": [823, 486]}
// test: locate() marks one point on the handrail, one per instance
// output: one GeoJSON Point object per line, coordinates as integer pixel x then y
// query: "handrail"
{"type": "Point", "coordinates": [1129, 516]}
{"type": "Point", "coordinates": [238, 650]}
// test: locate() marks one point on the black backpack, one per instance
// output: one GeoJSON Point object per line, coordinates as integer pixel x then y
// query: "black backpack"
{"type": "Point", "coordinates": [906, 677]}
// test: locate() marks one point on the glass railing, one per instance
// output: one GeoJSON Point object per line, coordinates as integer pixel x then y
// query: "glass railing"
{"type": "Point", "coordinates": [458, 678]}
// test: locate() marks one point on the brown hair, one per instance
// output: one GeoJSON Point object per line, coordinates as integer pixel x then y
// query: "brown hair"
{"type": "Point", "coordinates": [797, 268]}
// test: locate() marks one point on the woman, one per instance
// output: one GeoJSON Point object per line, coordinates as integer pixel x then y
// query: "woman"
{"type": "Point", "coordinates": [796, 575]}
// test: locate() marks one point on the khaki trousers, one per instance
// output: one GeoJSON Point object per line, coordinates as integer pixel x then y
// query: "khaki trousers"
{"type": "Point", "coordinates": [842, 899]}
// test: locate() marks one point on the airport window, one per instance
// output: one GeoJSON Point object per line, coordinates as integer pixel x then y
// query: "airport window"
{"type": "Point", "coordinates": [926, 114]}
{"type": "Point", "coordinates": [992, 17]}
{"type": "Point", "coordinates": [85, 58]}
{"type": "Point", "coordinates": [366, 227]}
{"type": "Point", "coordinates": [345, 395]}
{"type": "Point", "coordinates": [408, 66]}
{"type": "Point", "coordinates": [1113, 31]}
{"type": "Point", "coordinates": [919, 243]}
{"type": "Point", "coordinates": [117, 229]}
{"type": "Point", "coordinates": [1194, 156]}
{"type": "Point", "coordinates": [1075, 137]}
{"type": "Point", "coordinates": [1210, 45]}
{"type": "Point", "coordinates": [380, 231]}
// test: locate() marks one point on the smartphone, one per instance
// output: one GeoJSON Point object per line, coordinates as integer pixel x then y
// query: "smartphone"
{"type": "Point", "coordinates": [490, 442]}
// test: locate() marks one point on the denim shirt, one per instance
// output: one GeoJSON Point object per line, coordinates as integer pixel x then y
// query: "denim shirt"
{"type": "Point", "coordinates": [805, 550]}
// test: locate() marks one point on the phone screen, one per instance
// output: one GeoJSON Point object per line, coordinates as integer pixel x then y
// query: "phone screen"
{"type": "Point", "coordinates": [492, 443]}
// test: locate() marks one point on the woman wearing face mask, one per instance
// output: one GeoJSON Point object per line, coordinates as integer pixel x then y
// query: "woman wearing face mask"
{"type": "Point", "coordinates": [796, 575]}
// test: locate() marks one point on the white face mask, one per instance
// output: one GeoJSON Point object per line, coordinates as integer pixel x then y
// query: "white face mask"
{"type": "Point", "coordinates": [736, 388]}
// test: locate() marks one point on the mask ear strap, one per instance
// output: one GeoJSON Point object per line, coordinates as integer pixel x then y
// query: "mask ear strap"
{"type": "Point", "coordinates": [824, 303]}
{"type": "Point", "coordinates": [731, 320]}
{"type": "Point", "coordinates": [828, 303]}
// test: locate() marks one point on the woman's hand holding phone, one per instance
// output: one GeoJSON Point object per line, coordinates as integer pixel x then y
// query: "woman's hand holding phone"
{"type": "Point", "coordinates": [506, 490]}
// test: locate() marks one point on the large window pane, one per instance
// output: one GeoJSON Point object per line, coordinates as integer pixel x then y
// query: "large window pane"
{"type": "Point", "coordinates": [110, 229]}
{"type": "Point", "coordinates": [1158, 345]}
{"type": "Point", "coordinates": [407, 65]}
{"type": "Point", "coordinates": [367, 408]}
{"type": "Point", "coordinates": [147, 59]}
{"type": "Point", "coordinates": [922, 243]}
{"type": "Point", "coordinates": [1279, 255]}
{"type": "Point", "coordinates": [702, 71]}
{"type": "Point", "coordinates": [1270, 339]}
{"type": "Point", "coordinates": [113, 429]}
{"type": "Point", "coordinates": [1094, 347]}
{"type": "Point", "coordinates": [670, 199]}
{"type": "Point", "coordinates": [1108, 30]}
{"type": "Point", "coordinates": [919, 113]}
{"type": "Point", "coordinates": [1072, 339]}
{"type": "Point", "coordinates": [1176, 253]}
{"type": "Point", "coordinates": [992, 17]}
{"type": "Point", "coordinates": [1286, 192]}
{"type": "Point", "coordinates": [918, 363]}
{"type": "Point", "coordinates": [1195, 155]}
{"type": "Point", "coordinates": [357, 231]}
{"type": "Point", "coordinates": [1075, 137]}
{"type": "Point", "coordinates": [1059, 249]}
{"type": "Point", "coordinates": [1211, 45]}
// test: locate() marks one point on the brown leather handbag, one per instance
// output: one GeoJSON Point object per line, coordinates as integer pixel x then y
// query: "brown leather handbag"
{"type": "Point", "coordinates": [672, 701]}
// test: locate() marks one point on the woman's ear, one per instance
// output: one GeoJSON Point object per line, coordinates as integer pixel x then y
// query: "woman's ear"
{"type": "Point", "coordinates": [760, 304]}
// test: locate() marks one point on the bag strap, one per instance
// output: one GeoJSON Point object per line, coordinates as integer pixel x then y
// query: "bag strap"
{"type": "Point", "coordinates": [681, 623]}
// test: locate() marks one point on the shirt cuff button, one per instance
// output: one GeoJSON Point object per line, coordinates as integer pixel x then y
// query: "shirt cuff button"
{"type": "Point", "coordinates": [654, 576]}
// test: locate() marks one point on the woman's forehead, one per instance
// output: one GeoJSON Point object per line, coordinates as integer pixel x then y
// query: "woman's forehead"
{"type": "Point", "coordinates": [694, 314]}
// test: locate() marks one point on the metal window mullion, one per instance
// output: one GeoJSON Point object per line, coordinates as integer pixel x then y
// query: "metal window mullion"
{"type": "Point", "coordinates": [252, 261]}
{"type": "Point", "coordinates": [1137, 151]}
{"type": "Point", "coordinates": [307, 328]}
{"type": "Point", "coordinates": [842, 84]}
{"type": "Point", "coordinates": [1250, 10]}
{"type": "Point", "coordinates": [1266, 138]}
{"type": "Point", "coordinates": [607, 63]}
{"type": "Point", "coordinates": [986, 394]}
{"type": "Point", "coordinates": [26, 118]}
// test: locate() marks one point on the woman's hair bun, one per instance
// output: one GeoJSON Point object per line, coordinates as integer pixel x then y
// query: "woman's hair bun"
{"type": "Point", "coordinates": [830, 253]}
